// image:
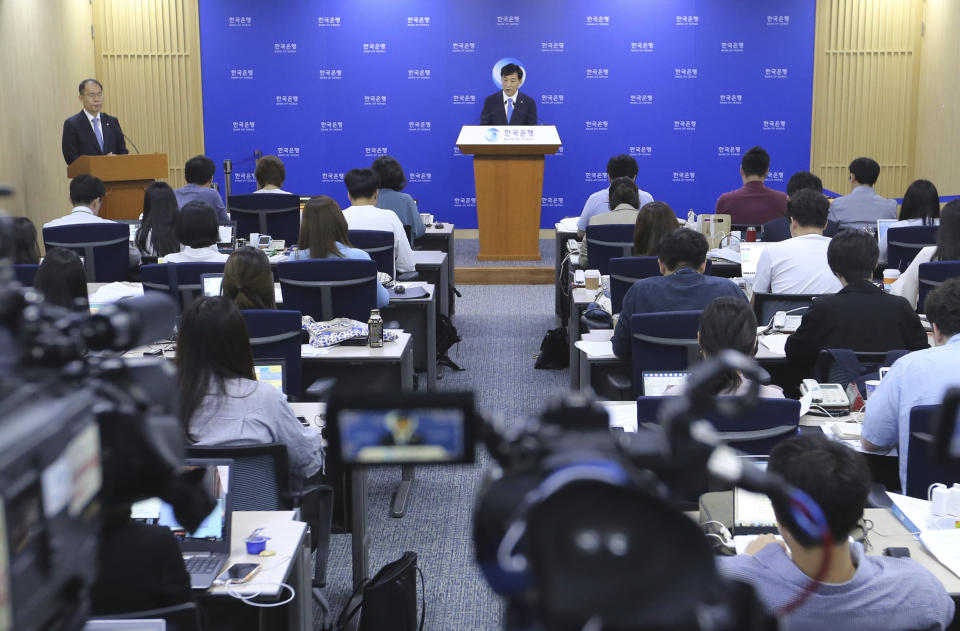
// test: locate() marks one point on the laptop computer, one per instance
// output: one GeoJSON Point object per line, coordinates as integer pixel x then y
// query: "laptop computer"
{"type": "Point", "coordinates": [749, 257]}
{"type": "Point", "coordinates": [206, 549]}
{"type": "Point", "coordinates": [210, 284]}
{"type": "Point", "coordinates": [882, 226]}
{"type": "Point", "coordinates": [272, 371]}
{"type": "Point", "coordinates": [752, 513]}
{"type": "Point", "coordinates": [226, 232]}
{"type": "Point", "coordinates": [655, 383]}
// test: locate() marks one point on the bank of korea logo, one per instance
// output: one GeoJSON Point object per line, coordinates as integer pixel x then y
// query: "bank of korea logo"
{"type": "Point", "coordinates": [288, 152]}
{"type": "Point", "coordinates": [641, 99]}
{"type": "Point", "coordinates": [594, 176]}
{"type": "Point", "coordinates": [418, 73]}
{"type": "Point", "coordinates": [641, 151]}
{"type": "Point", "coordinates": [420, 177]}
{"type": "Point", "coordinates": [237, 21]}
{"type": "Point", "coordinates": [687, 20]}
{"type": "Point", "coordinates": [456, 152]}
{"type": "Point", "coordinates": [684, 177]}
{"type": "Point", "coordinates": [596, 125]}
{"type": "Point", "coordinates": [598, 20]}
{"type": "Point", "coordinates": [375, 99]}
{"type": "Point", "coordinates": [331, 74]}
{"type": "Point", "coordinates": [284, 48]}
{"type": "Point", "coordinates": [463, 47]}
{"type": "Point", "coordinates": [551, 99]}
{"type": "Point", "coordinates": [774, 176]}
{"type": "Point", "coordinates": [464, 99]}
{"type": "Point", "coordinates": [598, 73]}
{"type": "Point", "coordinates": [503, 62]}
{"type": "Point", "coordinates": [287, 100]}
{"type": "Point", "coordinates": [559, 151]}
{"type": "Point", "coordinates": [775, 73]}
{"type": "Point", "coordinates": [774, 125]}
{"type": "Point", "coordinates": [244, 177]}
{"type": "Point", "coordinates": [328, 126]}
{"type": "Point", "coordinates": [731, 99]}
{"type": "Point", "coordinates": [376, 48]}
{"type": "Point", "coordinates": [328, 21]}
{"type": "Point", "coordinates": [244, 126]}
{"type": "Point", "coordinates": [684, 125]}
{"type": "Point", "coordinates": [242, 74]}
{"type": "Point", "coordinates": [375, 152]}
{"type": "Point", "coordinates": [492, 134]}
{"type": "Point", "coordinates": [552, 47]}
{"type": "Point", "coordinates": [641, 47]}
{"type": "Point", "coordinates": [419, 125]}
{"type": "Point", "coordinates": [778, 20]}
{"type": "Point", "coordinates": [508, 20]}
{"type": "Point", "coordinates": [464, 202]}
{"type": "Point", "coordinates": [731, 47]}
{"type": "Point", "coordinates": [728, 151]}
{"type": "Point", "coordinates": [418, 20]}
{"type": "Point", "coordinates": [331, 177]}
{"type": "Point", "coordinates": [686, 73]}
{"type": "Point", "coordinates": [551, 202]}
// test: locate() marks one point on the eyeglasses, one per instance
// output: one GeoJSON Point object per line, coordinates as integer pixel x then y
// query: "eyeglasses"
{"type": "Point", "coordinates": [94, 95]}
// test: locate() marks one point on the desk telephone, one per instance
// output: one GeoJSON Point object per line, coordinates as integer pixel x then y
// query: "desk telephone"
{"type": "Point", "coordinates": [827, 395]}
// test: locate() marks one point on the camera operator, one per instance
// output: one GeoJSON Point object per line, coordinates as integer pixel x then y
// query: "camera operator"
{"type": "Point", "coordinates": [864, 592]}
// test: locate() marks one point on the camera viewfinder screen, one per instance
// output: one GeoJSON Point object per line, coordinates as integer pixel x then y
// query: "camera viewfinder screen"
{"type": "Point", "coordinates": [402, 435]}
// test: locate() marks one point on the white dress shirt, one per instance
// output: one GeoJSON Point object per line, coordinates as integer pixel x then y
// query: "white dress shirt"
{"type": "Point", "coordinates": [796, 266]}
{"type": "Point", "coordinates": [908, 285]}
{"type": "Point", "coordinates": [208, 254]}
{"type": "Point", "coordinates": [79, 214]}
{"type": "Point", "coordinates": [373, 218]}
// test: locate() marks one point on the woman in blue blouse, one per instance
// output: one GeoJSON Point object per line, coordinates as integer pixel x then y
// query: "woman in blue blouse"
{"type": "Point", "coordinates": [324, 235]}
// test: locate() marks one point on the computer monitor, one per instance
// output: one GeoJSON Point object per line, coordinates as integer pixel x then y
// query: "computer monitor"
{"type": "Point", "coordinates": [272, 371]}
{"type": "Point", "coordinates": [882, 226]}
{"type": "Point", "coordinates": [210, 284]}
{"type": "Point", "coordinates": [655, 383]}
{"type": "Point", "coordinates": [749, 257]}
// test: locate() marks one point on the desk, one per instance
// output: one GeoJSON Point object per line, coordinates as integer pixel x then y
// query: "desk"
{"type": "Point", "coordinates": [560, 296]}
{"type": "Point", "coordinates": [579, 299]}
{"type": "Point", "coordinates": [434, 269]}
{"type": "Point", "coordinates": [441, 239]}
{"type": "Point", "coordinates": [418, 316]}
{"type": "Point", "coordinates": [601, 352]}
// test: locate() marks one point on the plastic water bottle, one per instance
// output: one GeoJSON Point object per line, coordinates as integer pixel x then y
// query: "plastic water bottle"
{"type": "Point", "coordinates": [375, 329]}
{"type": "Point", "coordinates": [691, 218]}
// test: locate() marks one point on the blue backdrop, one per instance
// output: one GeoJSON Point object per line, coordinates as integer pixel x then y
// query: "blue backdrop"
{"type": "Point", "coordinates": [685, 86]}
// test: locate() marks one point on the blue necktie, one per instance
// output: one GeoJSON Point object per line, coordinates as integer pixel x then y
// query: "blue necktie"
{"type": "Point", "coordinates": [96, 130]}
{"type": "Point", "coordinates": [509, 110]}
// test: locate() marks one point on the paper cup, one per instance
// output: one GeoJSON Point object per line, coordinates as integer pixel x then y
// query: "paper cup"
{"type": "Point", "coordinates": [872, 385]}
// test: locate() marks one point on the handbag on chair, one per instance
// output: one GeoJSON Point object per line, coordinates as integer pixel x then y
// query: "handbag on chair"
{"type": "Point", "coordinates": [388, 601]}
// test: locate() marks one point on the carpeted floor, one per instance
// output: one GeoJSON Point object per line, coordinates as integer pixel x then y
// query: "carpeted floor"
{"type": "Point", "coordinates": [467, 249]}
{"type": "Point", "coordinates": [501, 326]}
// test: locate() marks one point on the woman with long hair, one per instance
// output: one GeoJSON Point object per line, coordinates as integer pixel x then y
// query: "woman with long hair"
{"type": "Point", "coordinates": [920, 207]}
{"type": "Point", "coordinates": [248, 279]}
{"type": "Point", "coordinates": [946, 249]}
{"type": "Point", "coordinates": [25, 247]}
{"type": "Point", "coordinates": [654, 220]}
{"type": "Point", "coordinates": [156, 235]}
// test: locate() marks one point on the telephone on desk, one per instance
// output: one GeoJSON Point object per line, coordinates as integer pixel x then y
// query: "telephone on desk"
{"type": "Point", "coordinates": [832, 397]}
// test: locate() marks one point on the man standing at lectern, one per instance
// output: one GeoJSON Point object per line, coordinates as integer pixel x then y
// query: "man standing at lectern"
{"type": "Point", "coordinates": [509, 106]}
{"type": "Point", "coordinates": [90, 132]}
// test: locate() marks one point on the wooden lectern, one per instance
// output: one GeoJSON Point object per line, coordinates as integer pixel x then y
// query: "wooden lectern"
{"type": "Point", "coordinates": [508, 175]}
{"type": "Point", "coordinates": [126, 177]}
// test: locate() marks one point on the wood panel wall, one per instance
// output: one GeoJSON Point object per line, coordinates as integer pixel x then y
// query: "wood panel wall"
{"type": "Point", "coordinates": [866, 76]}
{"type": "Point", "coordinates": [148, 57]}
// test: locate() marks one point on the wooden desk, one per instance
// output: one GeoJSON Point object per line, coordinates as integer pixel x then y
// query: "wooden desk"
{"type": "Point", "coordinates": [442, 239]}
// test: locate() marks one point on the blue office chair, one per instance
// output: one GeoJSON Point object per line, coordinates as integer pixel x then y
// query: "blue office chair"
{"type": "Point", "coordinates": [188, 282]}
{"type": "Point", "coordinates": [161, 278]}
{"type": "Point", "coordinates": [276, 333]}
{"type": "Point", "coordinates": [329, 288]}
{"type": "Point", "coordinates": [607, 241]}
{"type": "Point", "coordinates": [275, 214]}
{"type": "Point", "coordinates": [904, 242]}
{"type": "Point", "coordinates": [765, 305]}
{"type": "Point", "coordinates": [779, 230]}
{"type": "Point", "coordinates": [932, 275]}
{"type": "Point", "coordinates": [922, 467]}
{"type": "Point", "coordinates": [379, 245]}
{"type": "Point", "coordinates": [24, 273]}
{"type": "Point", "coordinates": [841, 365]}
{"type": "Point", "coordinates": [625, 271]}
{"type": "Point", "coordinates": [755, 432]}
{"type": "Point", "coordinates": [105, 248]}
{"type": "Point", "coordinates": [664, 341]}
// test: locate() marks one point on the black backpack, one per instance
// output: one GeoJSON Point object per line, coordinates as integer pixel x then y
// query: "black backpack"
{"type": "Point", "coordinates": [554, 350]}
{"type": "Point", "coordinates": [447, 336]}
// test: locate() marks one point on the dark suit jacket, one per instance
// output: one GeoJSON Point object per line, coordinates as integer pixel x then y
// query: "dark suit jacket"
{"type": "Point", "coordinates": [524, 110]}
{"type": "Point", "coordinates": [861, 317]}
{"type": "Point", "coordinates": [79, 139]}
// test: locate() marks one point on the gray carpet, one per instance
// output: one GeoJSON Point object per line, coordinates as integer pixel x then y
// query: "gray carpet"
{"type": "Point", "coordinates": [467, 249]}
{"type": "Point", "coordinates": [501, 326]}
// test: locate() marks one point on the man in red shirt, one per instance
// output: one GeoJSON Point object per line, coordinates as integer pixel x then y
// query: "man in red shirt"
{"type": "Point", "coordinates": [753, 204]}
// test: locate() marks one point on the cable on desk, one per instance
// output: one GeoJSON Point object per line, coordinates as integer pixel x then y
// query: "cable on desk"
{"type": "Point", "coordinates": [248, 598]}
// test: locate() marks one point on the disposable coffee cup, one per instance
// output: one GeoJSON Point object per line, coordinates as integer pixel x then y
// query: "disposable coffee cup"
{"type": "Point", "coordinates": [890, 276]}
{"type": "Point", "coordinates": [426, 218]}
{"type": "Point", "coordinates": [872, 385]}
{"type": "Point", "coordinates": [592, 278]}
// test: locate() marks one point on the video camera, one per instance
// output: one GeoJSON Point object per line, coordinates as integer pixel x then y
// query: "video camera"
{"type": "Point", "coordinates": [83, 431]}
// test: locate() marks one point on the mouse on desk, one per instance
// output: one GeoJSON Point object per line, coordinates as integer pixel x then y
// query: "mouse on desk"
{"type": "Point", "coordinates": [438, 225]}
{"type": "Point", "coordinates": [400, 289]}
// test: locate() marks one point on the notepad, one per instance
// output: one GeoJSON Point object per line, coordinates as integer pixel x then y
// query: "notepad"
{"type": "Point", "coordinates": [944, 545]}
{"type": "Point", "coordinates": [775, 343]}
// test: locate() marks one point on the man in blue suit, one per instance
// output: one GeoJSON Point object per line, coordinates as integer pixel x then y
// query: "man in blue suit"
{"type": "Point", "coordinates": [90, 132]}
{"type": "Point", "coordinates": [509, 106]}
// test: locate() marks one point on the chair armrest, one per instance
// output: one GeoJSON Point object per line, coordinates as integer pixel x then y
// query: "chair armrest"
{"type": "Point", "coordinates": [319, 390]}
{"type": "Point", "coordinates": [619, 381]}
{"type": "Point", "coordinates": [296, 498]}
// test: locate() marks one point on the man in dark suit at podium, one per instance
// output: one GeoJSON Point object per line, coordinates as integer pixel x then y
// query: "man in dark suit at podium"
{"type": "Point", "coordinates": [90, 132]}
{"type": "Point", "coordinates": [509, 106]}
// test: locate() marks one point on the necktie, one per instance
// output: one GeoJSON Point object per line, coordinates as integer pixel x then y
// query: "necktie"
{"type": "Point", "coordinates": [509, 110]}
{"type": "Point", "coordinates": [96, 130]}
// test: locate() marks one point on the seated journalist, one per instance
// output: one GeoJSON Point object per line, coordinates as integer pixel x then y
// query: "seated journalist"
{"type": "Point", "coordinates": [624, 200]}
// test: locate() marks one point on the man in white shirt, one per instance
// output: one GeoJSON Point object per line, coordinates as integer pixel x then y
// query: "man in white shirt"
{"type": "Point", "coordinates": [799, 264]}
{"type": "Point", "coordinates": [362, 185]}
{"type": "Point", "coordinates": [598, 202]}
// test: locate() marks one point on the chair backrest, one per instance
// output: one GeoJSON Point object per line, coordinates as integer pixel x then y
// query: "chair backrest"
{"type": "Point", "coordinates": [904, 242]}
{"type": "Point", "coordinates": [276, 333]}
{"type": "Point", "coordinates": [105, 248]}
{"type": "Point", "coordinates": [260, 477]}
{"type": "Point", "coordinates": [625, 271]}
{"type": "Point", "coordinates": [188, 283]}
{"type": "Point", "coordinates": [276, 214]}
{"type": "Point", "coordinates": [931, 275]}
{"type": "Point", "coordinates": [329, 288]}
{"type": "Point", "coordinates": [182, 617]}
{"type": "Point", "coordinates": [24, 273]}
{"type": "Point", "coordinates": [663, 341]}
{"type": "Point", "coordinates": [922, 468]}
{"type": "Point", "coordinates": [607, 241]}
{"type": "Point", "coordinates": [838, 366]}
{"type": "Point", "coordinates": [765, 305]}
{"type": "Point", "coordinates": [161, 278]}
{"type": "Point", "coordinates": [755, 432]}
{"type": "Point", "coordinates": [379, 245]}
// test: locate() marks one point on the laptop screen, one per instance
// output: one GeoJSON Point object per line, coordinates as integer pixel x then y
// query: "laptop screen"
{"type": "Point", "coordinates": [225, 233]}
{"type": "Point", "coordinates": [272, 371]}
{"type": "Point", "coordinates": [749, 256]}
{"type": "Point", "coordinates": [211, 284]}
{"type": "Point", "coordinates": [214, 528]}
{"type": "Point", "coordinates": [882, 226]}
{"type": "Point", "coordinates": [656, 383]}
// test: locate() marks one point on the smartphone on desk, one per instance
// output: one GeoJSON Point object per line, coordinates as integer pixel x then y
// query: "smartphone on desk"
{"type": "Point", "coordinates": [238, 573]}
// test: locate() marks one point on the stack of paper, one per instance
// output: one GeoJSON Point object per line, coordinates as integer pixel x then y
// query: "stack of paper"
{"type": "Point", "coordinates": [845, 430]}
{"type": "Point", "coordinates": [944, 545]}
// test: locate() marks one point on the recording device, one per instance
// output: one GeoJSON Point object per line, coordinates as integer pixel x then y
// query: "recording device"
{"type": "Point", "coordinates": [714, 227]}
{"type": "Point", "coordinates": [83, 431]}
{"type": "Point", "coordinates": [579, 278]}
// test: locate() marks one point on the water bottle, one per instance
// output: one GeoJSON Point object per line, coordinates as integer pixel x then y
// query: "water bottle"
{"type": "Point", "coordinates": [691, 218]}
{"type": "Point", "coordinates": [375, 329]}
